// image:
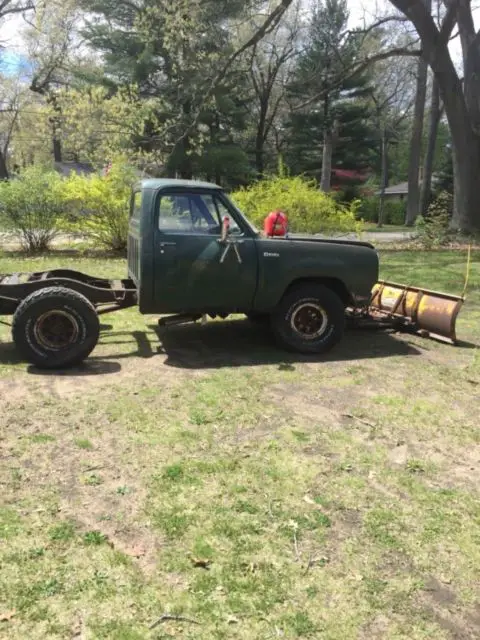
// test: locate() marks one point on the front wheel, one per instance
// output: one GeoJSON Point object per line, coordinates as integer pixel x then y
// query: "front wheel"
{"type": "Point", "coordinates": [55, 328]}
{"type": "Point", "coordinates": [309, 319]}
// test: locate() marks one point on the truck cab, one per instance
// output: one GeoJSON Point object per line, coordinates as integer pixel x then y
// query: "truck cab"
{"type": "Point", "coordinates": [182, 261]}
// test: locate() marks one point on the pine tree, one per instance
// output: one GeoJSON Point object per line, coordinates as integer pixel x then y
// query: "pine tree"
{"type": "Point", "coordinates": [335, 122]}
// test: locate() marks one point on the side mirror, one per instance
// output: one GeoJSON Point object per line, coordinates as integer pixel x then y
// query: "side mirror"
{"type": "Point", "coordinates": [225, 228]}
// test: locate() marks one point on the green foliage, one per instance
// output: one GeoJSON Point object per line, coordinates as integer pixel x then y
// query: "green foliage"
{"type": "Point", "coordinates": [63, 532]}
{"type": "Point", "coordinates": [171, 51]}
{"type": "Point", "coordinates": [433, 231]}
{"type": "Point", "coordinates": [97, 125]}
{"type": "Point", "coordinates": [309, 210]}
{"type": "Point", "coordinates": [32, 205]}
{"type": "Point", "coordinates": [394, 210]}
{"type": "Point", "coordinates": [442, 206]}
{"type": "Point", "coordinates": [94, 538]}
{"type": "Point", "coordinates": [99, 205]}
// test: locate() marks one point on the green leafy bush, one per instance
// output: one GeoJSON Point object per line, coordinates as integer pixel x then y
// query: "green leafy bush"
{"type": "Point", "coordinates": [433, 231]}
{"type": "Point", "coordinates": [99, 205]}
{"type": "Point", "coordinates": [393, 213]}
{"type": "Point", "coordinates": [32, 205]}
{"type": "Point", "coordinates": [309, 210]}
{"type": "Point", "coordinates": [442, 205]}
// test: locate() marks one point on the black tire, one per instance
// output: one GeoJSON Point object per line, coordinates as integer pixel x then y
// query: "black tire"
{"type": "Point", "coordinates": [310, 318]}
{"type": "Point", "coordinates": [55, 328]}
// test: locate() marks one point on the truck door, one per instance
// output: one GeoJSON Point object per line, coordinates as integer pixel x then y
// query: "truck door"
{"type": "Point", "coordinates": [194, 271]}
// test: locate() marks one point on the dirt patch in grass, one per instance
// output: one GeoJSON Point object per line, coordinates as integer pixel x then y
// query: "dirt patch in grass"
{"type": "Point", "coordinates": [441, 603]}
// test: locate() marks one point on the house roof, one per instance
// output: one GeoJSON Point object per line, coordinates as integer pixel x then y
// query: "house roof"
{"type": "Point", "coordinates": [401, 189]}
{"type": "Point", "coordinates": [396, 190]}
{"type": "Point", "coordinates": [80, 168]}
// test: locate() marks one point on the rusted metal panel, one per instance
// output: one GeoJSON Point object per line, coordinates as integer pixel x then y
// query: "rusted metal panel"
{"type": "Point", "coordinates": [428, 312]}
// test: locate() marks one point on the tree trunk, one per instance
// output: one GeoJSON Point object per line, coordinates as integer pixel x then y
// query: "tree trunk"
{"type": "Point", "coordinates": [465, 143]}
{"type": "Point", "coordinates": [186, 166]}
{"type": "Point", "coordinates": [413, 201]}
{"type": "Point", "coordinates": [259, 165]}
{"type": "Point", "coordinates": [384, 180]}
{"type": "Point", "coordinates": [57, 147]}
{"type": "Point", "coordinates": [260, 139]}
{"type": "Point", "coordinates": [3, 168]}
{"type": "Point", "coordinates": [326, 181]}
{"type": "Point", "coordinates": [465, 140]}
{"type": "Point", "coordinates": [434, 121]}
{"type": "Point", "coordinates": [466, 170]}
{"type": "Point", "coordinates": [326, 178]}
{"type": "Point", "coordinates": [56, 124]}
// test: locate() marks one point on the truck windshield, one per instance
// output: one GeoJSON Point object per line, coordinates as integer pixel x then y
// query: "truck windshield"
{"type": "Point", "coordinates": [246, 220]}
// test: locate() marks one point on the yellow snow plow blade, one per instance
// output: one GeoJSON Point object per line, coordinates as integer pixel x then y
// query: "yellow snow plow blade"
{"type": "Point", "coordinates": [428, 313]}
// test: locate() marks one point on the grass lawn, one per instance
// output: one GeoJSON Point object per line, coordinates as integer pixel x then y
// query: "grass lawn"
{"type": "Point", "coordinates": [203, 474]}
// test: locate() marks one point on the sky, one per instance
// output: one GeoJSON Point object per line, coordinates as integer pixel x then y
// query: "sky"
{"type": "Point", "coordinates": [12, 57]}
{"type": "Point", "coordinates": [368, 9]}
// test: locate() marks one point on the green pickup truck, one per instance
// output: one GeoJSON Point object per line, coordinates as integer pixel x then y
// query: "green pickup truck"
{"type": "Point", "coordinates": [185, 261]}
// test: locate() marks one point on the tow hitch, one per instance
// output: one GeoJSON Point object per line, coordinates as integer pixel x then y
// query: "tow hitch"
{"type": "Point", "coordinates": [431, 314]}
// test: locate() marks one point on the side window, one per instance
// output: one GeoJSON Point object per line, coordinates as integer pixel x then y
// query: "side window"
{"type": "Point", "coordinates": [174, 214]}
{"type": "Point", "coordinates": [136, 206]}
{"type": "Point", "coordinates": [193, 213]}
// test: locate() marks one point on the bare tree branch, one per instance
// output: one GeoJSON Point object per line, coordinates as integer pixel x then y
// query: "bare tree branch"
{"type": "Point", "coordinates": [359, 67]}
{"type": "Point", "coordinates": [269, 24]}
{"type": "Point", "coordinates": [449, 20]}
{"type": "Point", "coordinates": [375, 25]}
{"type": "Point", "coordinates": [9, 7]}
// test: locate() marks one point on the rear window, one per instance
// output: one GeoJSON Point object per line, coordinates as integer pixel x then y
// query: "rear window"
{"type": "Point", "coordinates": [136, 207]}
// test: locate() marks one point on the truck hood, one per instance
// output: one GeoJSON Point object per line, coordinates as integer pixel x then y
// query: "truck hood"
{"type": "Point", "coordinates": [340, 241]}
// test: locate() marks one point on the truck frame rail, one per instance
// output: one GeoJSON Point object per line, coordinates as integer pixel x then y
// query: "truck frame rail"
{"type": "Point", "coordinates": [106, 295]}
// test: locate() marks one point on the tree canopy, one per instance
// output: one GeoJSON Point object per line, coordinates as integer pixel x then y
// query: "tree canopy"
{"type": "Point", "coordinates": [224, 90]}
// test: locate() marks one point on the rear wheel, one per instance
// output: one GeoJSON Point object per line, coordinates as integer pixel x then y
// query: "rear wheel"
{"type": "Point", "coordinates": [55, 328]}
{"type": "Point", "coordinates": [309, 319]}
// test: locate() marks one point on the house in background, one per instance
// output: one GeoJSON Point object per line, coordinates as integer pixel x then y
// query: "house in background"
{"type": "Point", "coordinates": [399, 192]}
{"type": "Point", "coordinates": [80, 168]}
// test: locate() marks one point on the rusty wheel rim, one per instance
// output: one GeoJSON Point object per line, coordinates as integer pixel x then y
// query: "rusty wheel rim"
{"type": "Point", "coordinates": [310, 321]}
{"type": "Point", "coordinates": [56, 330]}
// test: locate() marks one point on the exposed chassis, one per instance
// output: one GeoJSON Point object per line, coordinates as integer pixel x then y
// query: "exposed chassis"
{"type": "Point", "coordinates": [106, 295]}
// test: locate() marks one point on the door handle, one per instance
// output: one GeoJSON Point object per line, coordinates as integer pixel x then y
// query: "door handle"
{"type": "Point", "coordinates": [167, 244]}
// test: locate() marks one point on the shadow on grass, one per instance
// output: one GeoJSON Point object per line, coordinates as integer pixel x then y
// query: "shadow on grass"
{"type": "Point", "coordinates": [235, 343]}
{"type": "Point", "coordinates": [91, 367]}
{"type": "Point", "coordinates": [238, 343]}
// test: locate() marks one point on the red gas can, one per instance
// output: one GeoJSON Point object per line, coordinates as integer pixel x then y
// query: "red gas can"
{"type": "Point", "coordinates": [276, 224]}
